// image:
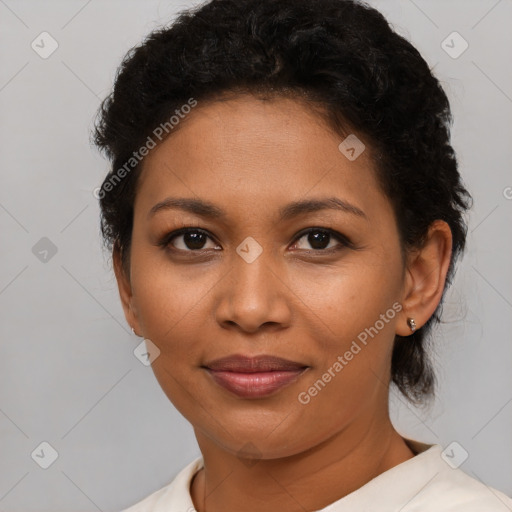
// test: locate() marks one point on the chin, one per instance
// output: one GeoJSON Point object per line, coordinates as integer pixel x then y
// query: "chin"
{"type": "Point", "coordinates": [253, 437]}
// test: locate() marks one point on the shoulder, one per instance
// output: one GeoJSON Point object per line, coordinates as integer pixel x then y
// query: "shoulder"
{"type": "Point", "coordinates": [149, 502]}
{"type": "Point", "coordinates": [453, 490]}
{"type": "Point", "coordinates": [443, 487]}
{"type": "Point", "coordinates": [173, 495]}
{"type": "Point", "coordinates": [424, 483]}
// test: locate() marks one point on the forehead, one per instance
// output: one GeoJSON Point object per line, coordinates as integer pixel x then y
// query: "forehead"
{"type": "Point", "coordinates": [246, 151]}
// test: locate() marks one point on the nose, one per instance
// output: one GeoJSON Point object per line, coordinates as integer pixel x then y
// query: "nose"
{"type": "Point", "coordinates": [254, 296]}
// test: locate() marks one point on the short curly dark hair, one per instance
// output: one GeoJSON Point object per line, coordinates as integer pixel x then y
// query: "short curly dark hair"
{"type": "Point", "coordinates": [341, 55]}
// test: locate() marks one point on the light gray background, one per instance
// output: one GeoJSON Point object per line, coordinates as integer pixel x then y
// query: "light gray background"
{"type": "Point", "coordinates": [68, 375]}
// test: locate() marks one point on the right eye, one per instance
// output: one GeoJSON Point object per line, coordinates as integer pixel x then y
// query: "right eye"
{"type": "Point", "coordinates": [187, 240]}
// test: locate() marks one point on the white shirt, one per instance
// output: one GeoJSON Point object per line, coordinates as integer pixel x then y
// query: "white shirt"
{"type": "Point", "coordinates": [425, 483]}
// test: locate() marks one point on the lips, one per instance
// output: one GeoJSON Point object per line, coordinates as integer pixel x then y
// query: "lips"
{"type": "Point", "coordinates": [254, 377]}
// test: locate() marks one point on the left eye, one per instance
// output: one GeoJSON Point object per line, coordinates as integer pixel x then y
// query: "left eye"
{"type": "Point", "coordinates": [320, 239]}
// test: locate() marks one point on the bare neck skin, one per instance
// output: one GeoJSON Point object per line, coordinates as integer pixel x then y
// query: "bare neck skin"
{"type": "Point", "coordinates": [306, 481]}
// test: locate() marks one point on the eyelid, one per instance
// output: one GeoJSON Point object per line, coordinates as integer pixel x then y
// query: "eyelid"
{"type": "Point", "coordinates": [165, 241]}
{"type": "Point", "coordinates": [342, 239]}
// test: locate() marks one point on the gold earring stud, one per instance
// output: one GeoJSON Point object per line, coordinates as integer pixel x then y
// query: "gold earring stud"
{"type": "Point", "coordinates": [412, 324]}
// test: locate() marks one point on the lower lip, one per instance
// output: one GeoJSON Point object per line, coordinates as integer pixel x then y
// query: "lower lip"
{"type": "Point", "coordinates": [255, 385]}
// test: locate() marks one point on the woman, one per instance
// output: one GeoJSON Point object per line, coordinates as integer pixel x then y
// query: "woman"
{"type": "Point", "coordinates": [284, 212]}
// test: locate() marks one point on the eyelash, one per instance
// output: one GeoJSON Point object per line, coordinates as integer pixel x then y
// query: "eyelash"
{"type": "Point", "coordinates": [345, 242]}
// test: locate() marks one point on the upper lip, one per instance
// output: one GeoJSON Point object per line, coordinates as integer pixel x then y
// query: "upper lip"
{"type": "Point", "coordinates": [248, 364]}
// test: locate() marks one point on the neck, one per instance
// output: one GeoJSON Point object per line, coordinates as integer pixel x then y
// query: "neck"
{"type": "Point", "coordinates": [310, 480]}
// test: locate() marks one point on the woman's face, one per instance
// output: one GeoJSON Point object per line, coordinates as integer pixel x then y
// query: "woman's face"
{"type": "Point", "coordinates": [250, 282]}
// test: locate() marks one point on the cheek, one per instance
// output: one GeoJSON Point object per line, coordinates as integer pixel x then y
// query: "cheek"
{"type": "Point", "coordinates": [170, 298]}
{"type": "Point", "coordinates": [171, 312]}
{"type": "Point", "coordinates": [352, 329]}
{"type": "Point", "coordinates": [348, 298]}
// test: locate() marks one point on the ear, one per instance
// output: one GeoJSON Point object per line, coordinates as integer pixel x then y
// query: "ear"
{"type": "Point", "coordinates": [426, 270]}
{"type": "Point", "coordinates": [125, 289]}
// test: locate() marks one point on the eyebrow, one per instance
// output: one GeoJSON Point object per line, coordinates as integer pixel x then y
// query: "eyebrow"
{"type": "Point", "coordinates": [209, 210]}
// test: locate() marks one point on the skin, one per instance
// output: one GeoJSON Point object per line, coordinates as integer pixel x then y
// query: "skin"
{"type": "Point", "coordinates": [251, 157]}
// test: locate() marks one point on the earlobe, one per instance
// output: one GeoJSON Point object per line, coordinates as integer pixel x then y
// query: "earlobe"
{"type": "Point", "coordinates": [125, 289]}
{"type": "Point", "coordinates": [426, 272]}
{"type": "Point", "coordinates": [412, 324]}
